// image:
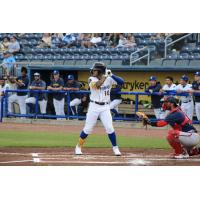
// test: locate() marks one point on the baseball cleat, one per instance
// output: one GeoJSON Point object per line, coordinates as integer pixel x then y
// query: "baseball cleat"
{"type": "Point", "coordinates": [116, 151]}
{"type": "Point", "coordinates": [78, 150]}
{"type": "Point", "coordinates": [181, 156]}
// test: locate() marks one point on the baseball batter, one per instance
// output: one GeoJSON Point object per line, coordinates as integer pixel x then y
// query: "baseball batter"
{"type": "Point", "coordinates": [187, 104]}
{"type": "Point", "coordinates": [100, 84]}
{"type": "Point", "coordinates": [183, 138]}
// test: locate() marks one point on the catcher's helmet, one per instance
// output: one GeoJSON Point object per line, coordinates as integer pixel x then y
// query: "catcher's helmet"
{"type": "Point", "coordinates": [100, 67]}
{"type": "Point", "coordinates": [172, 100]}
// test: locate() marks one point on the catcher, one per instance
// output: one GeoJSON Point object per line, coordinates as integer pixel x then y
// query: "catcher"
{"type": "Point", "coordinates": [183, 138]}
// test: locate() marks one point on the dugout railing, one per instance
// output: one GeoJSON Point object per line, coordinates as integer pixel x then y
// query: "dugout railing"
{"type": "Point", "coordinates": [4, 104]}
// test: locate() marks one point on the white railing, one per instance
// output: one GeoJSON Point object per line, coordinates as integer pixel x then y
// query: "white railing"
{"type": "Point", "coordinates": [134, 60]}
{"type": "Point", "coordinates": [169, 44]}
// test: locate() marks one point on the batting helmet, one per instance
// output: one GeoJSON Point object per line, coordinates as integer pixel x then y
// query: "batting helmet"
{"type": "Point", "coordinates": [100, 67]}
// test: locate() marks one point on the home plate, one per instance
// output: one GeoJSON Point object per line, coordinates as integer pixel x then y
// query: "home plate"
{"type": "Point", "coordinates": [139, 162]}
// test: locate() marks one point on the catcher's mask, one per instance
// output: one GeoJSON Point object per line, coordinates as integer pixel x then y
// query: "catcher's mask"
{"type": "Point", "coordinates": [100, 67]}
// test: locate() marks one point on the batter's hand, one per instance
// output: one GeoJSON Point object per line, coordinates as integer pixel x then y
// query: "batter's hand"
{"type": "Point", "coordinates": [108, 72]}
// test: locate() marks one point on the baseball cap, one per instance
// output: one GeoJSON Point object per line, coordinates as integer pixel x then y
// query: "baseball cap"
{"type": "Point", "coordinates": [185, 78]}
{"type": "Point", "coordinates": [55, 72]}
{"type": "Point", "coordinates": [152, 78]}
{"type": "Point", "coordinates": [70, 77]}
{"type": "Point", "coordinates": [197, 73]}
{"type": "Point", "coordinates": [36, 74]}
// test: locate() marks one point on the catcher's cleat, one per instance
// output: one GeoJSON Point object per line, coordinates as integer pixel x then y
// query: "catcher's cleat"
{"type": "Point", "coordinates": [181, 156]}
{"type": "Point", "coordinates": [116, 151]}
{"type": "Point", "coordinates": [78, 150]}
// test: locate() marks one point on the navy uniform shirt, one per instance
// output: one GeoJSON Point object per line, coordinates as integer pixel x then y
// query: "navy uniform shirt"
{"type": "Point", "coordinates": [25, 81]}
{"type": "Point", "coordinates": [196, 86]}
{"type": "Point", "coordinates": [155, 99]}
{"type": "Point", "coordinates": [75, 84]}
{"type": "Point", "coordinates": [178, 118]}
{"type": "Point", "coordinates": [40, 83]}
{"type": "Point", "coordinates": [57, 84]}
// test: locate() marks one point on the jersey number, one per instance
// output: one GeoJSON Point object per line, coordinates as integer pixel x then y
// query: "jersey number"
{"type": "Point", "coordinates": [106, 93]}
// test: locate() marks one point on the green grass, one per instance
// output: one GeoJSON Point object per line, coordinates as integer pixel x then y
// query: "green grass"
{"type": "Point", "coordinates": [45, 139]}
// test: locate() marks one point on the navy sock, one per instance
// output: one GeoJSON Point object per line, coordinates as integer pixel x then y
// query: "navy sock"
{"type": "Point", "coordinates": [83, 135]}
{"type": "Point", "coordinates": [115, 112]}
{"type": "Point", "coordinates": [112, 138]}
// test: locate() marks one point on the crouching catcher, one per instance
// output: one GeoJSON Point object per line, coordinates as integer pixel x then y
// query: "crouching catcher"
{"type": "Point", "coordinates": [183, 138]}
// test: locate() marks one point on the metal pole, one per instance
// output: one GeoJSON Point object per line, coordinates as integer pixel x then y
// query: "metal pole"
{"type": "Point", "coordinates": [136, 103]}
{"type": "Point", "coordinates": [36, 104]}
{"type": "Point", "coordinates": [148, 60]}
{"type": "Point", "coordinates": [6, 103]}
{"type": "Point", "coordinates": [68, 104]}
{"type": "Point", "coordinates": [1, 113]}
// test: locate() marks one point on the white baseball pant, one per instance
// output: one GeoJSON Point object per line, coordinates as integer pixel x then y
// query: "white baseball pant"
{"type": "Point", "coordinates": [114, 104]}
{"type": "Point", "coordinates": [189, 139]}
{"type": "Point", "coordinates": [75, 102]}
{"type": "Point", "coordinates": [188, 109]}
{"type": "Point", "coordinates": [101, 111]}
{"type": "Point", "coordinates": [158, 113]}
{"type": "Point", "coordinates": [42, 104]}
{"type": "Point", "coordinates": [59, 106]}
{"type": "Point", "coordinates": [20, 100]}
{"type": "Point", "coordinates": [197, 110]}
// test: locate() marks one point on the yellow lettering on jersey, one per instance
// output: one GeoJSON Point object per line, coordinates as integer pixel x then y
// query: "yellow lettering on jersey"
{"type": "Point", "coordinates": [93, 85]}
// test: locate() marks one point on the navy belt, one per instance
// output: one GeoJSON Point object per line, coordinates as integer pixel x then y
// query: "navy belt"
{"type": "Point", "coordinates": [187, 101]}
{"type": "Point", "coordinates": [99, 103]}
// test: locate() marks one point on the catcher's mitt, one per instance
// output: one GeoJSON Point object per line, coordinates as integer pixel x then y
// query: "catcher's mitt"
{"type": "Point", "coordinates": [143, 117]}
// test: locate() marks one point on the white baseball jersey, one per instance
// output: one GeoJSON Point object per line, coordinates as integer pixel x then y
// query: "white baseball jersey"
{"type": "Point", "coordinates": [103, 93]}
{"type": "Point", "coordinates": [168, 88]}
{"type": "Point", "coordinates": [185, 88]}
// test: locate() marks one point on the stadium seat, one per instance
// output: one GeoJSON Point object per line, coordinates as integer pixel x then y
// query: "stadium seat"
{"type": "Point", "coordinates": [69, 62]}
{"type": "Point", "coordinates": [80, 62]}
{"type": "Point", "coordinates": [167, 62]}
{"type": "Point", "coordinates": [183, 56]}
{"type": "Point", "coordinates": [91, 62]}
{"type": "Point", "coordinates": [19, 57]}
{"type": "Point", "coordinates": [48, 57]}
{"type": "Point", "coordinates": [182, 62]}
{"type": "Point", "coordinates": [116, 62]}
{"type": "Point", "coordinates": [196, 56]}
{"type": "Point", "coordinates": [196, 50]}
{"type": "Point", "coordinates": [156, 62]}
{"type": "Point", "coordinates": [194, 63]}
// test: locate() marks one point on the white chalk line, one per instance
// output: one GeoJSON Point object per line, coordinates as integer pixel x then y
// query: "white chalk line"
{"type": "Point", "coordinates": [137, 159]}
{"type": "Point", "coordinates": [16, 161]}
